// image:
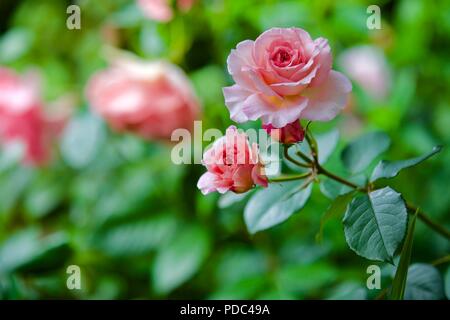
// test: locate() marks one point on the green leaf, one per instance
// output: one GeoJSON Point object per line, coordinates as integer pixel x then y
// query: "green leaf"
{"type": "Point", "coordinates": [375, 224]}
{"type": "Point", "coordinates": [13, 183]}
{"type": "Point", "coordinates": [44, 195]}
{"type": "Point", "coordinates": [389, 169]}
{"type": "Point", "coordinates": [399, 283]}
{"type": "Point", "coordinates": [336, 208]}
{"type": "Point", "coordinates": [348, 291]}
{"type": "Point", "coordinates": [135, 238]}
{"type": "Point", "coordinates": [11, 155]}
{"type": "Point", "coordinates": [424, 283]}
{"type": "Point", "coordinates": [246, 288]}
{"type": "Point", "coordinates": [128, 16]}
{"type": "Point", "coordinates": [208, 83]}
{"type": "Point", "coordinates": [27, 251]}
{"type": "Point", "coordinates": [228, 199]}
{"type": "Point", "coordinates": [180, 259]}
{"type": "Point", "coordinates": [81, 140]}
{"type": "Point", "coordinates": [447, 282]}
{"type": "Point", "coordinates": [302, 279]}
{"type": "Point", "coordinates": [128, 194]}
{"type": "Point", "coordinates": [275, 204]}
{"type": "Point", "coordinates": [361, 152]}
{"type": "Point", "coordinates": [237, 263]}
{"type": "Point", "coordinates": [14, 44]}
{"type": "Point", "coordinates": [333, 189]}
{"type": "Point", "coordinates": [326, 143]}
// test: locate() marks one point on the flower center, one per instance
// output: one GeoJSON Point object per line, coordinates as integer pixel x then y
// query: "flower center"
{"type": "Point", "coordinates": [282, 57]}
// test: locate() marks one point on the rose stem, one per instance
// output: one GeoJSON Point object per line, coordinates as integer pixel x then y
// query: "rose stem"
{"type": "Point", "coordinates": [289, 158]}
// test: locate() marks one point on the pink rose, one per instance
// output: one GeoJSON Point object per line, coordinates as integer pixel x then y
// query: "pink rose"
{"type": "Point", "coordinates": [160, 10]}
{"type": "Point", "coordinates": [367, 66]}
{"type": "Point", "coordinates": [232, 165]}
{"type": "Point", "coordinates": [22, 117]}
{"type": "Point", "coordinates": [283, 76]}
{"type": "Point", "coordinates": [150, 99]}
{"type": "Point", "coordinates": [289, 134]}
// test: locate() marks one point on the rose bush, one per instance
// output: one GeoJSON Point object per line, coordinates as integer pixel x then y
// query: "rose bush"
{"type": "Point", "coordinates": [291, 133]}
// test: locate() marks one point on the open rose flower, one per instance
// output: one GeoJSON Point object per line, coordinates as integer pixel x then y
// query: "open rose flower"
{"type": "Point", "coordinates": [150, 99]}
{"type": "Point", "coordinates": [23, 119]}
{"type": "Point", "coordinates": [160, 10]}
{"type": "Point", "coordinates": [232, 164]}
{"type": "Point", "coordinates": [283, 76]}
{"type": "Point", "coordinates": [291, 133]}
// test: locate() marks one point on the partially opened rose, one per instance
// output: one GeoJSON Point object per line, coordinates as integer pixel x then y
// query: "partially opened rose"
{"type": "Point", "coordinates": [232, 164]}
{"type": "Point", "coordinates": [283, 76]}
{"type": "Point", "coordinates": [22, 116]}
{"type": "Point", "coordinates": [150, 99]}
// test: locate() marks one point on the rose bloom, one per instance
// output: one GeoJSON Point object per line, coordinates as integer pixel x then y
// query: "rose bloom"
{"type": "Point", "coordinates": [160, 10]}
{"type": "Point", "coordinates": [283, 76]}
{"type": "Point", "coordinates": [367, 66]}
{"type": "Point", "coordinates": [150, 99]}
{"type": "Point", "coordinates": [22, 117]}
{"type": "Point", "coordinates": [291, 133]}
{"type": "Point", "coordinates": [232, 164]}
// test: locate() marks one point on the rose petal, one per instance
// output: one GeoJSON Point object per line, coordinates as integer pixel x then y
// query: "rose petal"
{"type": "Point", "coordinates": [235, 97]}
{"type": "Point", "coordinates": [278, 114]}
{"type": "Point", "coordinates": [325, 101]}
{"type": "Point", "coordinates": [325, 61]}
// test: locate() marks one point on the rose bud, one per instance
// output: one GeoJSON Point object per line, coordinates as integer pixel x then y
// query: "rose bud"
{"type": "Point", "coordinates": [291, 133]}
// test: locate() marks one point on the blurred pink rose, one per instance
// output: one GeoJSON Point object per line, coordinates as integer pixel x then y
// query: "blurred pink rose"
{"type": "Point", "coordinates": [291, 133]}
{"type": "Point", "coordinates": [367, 66]}
{"type": "Point", "coordinates": [160, 10]}
{"type": "Point", "coordinates": [150, 99]}
{"type": "Point", "coordinates": [282, 76]}
{"type": "Point", "coordinates": [232, 164]}
{"type": "Point", "coordinates": [22, 117]}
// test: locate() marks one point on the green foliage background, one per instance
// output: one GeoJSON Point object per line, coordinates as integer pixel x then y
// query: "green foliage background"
{"type": "Point", "coordinates": [137, 225]}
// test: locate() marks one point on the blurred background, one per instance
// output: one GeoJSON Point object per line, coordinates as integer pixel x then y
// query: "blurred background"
{"type": "Point", "coordinates": [136, 225]}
